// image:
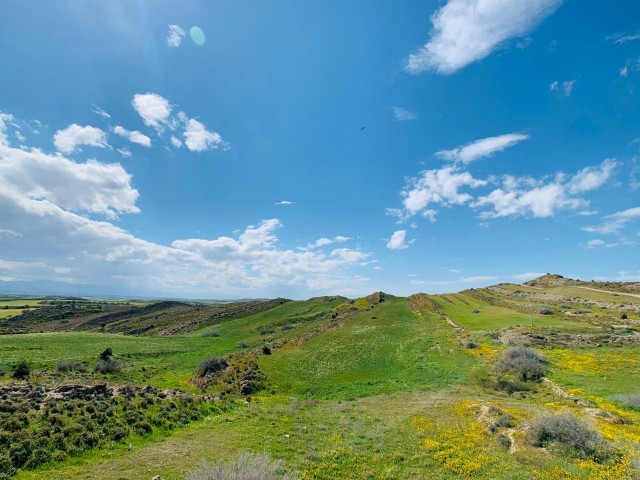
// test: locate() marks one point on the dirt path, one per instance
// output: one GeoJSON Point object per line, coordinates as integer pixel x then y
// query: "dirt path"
{"type": "Point", "coordinates": [612, 293]}
{"type": "Point", "coordinates": [452, 323]}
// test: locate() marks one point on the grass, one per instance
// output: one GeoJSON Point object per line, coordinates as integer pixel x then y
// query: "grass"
{"type": "Point", "coordinates": [395, 351]}
{"type": "Point", "coordinates": [460, 308]}
{"type": "Point", "coordinates": [377, 393]}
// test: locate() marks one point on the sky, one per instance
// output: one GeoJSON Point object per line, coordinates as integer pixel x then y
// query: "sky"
{"type": "Point", "coordinates": [236, 149]}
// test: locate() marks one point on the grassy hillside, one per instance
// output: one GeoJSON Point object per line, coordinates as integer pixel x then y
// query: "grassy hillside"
{"type": "Point", "coordinates": [380, 387]}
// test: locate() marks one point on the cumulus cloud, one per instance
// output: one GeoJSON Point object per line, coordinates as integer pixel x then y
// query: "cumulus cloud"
{"type": "Point", "coordinates": [133, 136]}
{"type": "Point", "coordinates": [47, 234]}
{"type": "Point", "coordinates": [284, 202]}
{"type": "Point", "coordinates": [615, 223]}
{"type": "Point", "coordinates": [522, 196]}
{"type": "Point", "coordinates": [175, 35]}
{"type": "Point", "coordinates": [465, 31]}
{"type": "Point", "coordinates": [324, 241]}
{"type": "Point", "coordinates": [176, 142]}
{"type": "Point", "coordinates": [440, 187]}
{"type": "Point", "coordinates": [199, 139]}
{"type": "Point", "coordinates": [92, 186]}
{"type": "Point", "coordinates": [482, 148]}
{"type": "Point", "coordinates": [154, 109]}
{"type": "Point", "coordinates": [398, 240]}
{"type": "Point", "coordinates": [68, 139]}
{"type": "Point", "coordinates": [599, 243]}
{"type": "Point", "coordinates": [404, 115]}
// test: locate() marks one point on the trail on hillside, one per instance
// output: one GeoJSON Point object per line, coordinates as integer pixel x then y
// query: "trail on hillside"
{"type": "Point", "coordinates": [612, 293]}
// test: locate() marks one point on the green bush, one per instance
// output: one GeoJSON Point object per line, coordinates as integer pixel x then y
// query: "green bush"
{"type": "Point", "coordinates": [22, 370]}
{"type": "Point", "coordinates": [68, 366]}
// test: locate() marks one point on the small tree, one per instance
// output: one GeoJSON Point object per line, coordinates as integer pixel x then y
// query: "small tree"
{"type": "Point", "coordinates": [524, 361]}
{"type": "Point", "coordinates": [106, 355]}
{"type": "Point", "coordinates": [22, 370]}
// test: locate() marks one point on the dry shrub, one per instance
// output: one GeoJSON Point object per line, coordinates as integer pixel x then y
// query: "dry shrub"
{"type": "Point", "coordinates": [247, 466]}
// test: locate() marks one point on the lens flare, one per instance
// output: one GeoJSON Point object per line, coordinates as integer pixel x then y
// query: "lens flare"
{"type": "Point", "coordinates": [197, 35]}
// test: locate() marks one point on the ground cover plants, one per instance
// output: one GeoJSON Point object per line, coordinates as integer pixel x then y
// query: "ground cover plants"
{"type": "Point", "coordinates": [477, 384]}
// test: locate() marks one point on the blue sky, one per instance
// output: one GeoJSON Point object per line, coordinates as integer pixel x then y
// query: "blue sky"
{"type": "Point", "coordinates": [216, 148]}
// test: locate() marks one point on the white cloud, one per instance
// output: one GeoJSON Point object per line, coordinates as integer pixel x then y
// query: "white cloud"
{"type": "Point", "coordinates": [198, 138]}
{"type": "Point", "coordinates": [403, 115]}
{"type": "Point", "coordinates": [98, 111]}
{"type": "Point", "coordinates": [154, 109]}
{"type": "Point", "coordinates": [124, 152]}
{"type": "Point", "coordinates": [68, 139]}
{"type": "Point", "coordinates": [441, 187]}
{"type": "Point", "coordinates": [482, 148]}
{"type": "Point", "coordinates": [176, 142]}
{"type": "Point", "coordinates": [621, 38]}
{"type": "Point", "coordinates": [324, 241]}
{"type": "Point", "coordinates": [632, 65]}
{"type": "Point", "coordinates": [565, 88]}
{"type": "Point", "coordinates": [284, 202]}
{"type": "Point", "coordinates": [4, 119]}
{"type": "Point", "coordinates": [133, 136]}
{"type": "Point", "coordinates": [48, 198]}
{"type": "Point", "coordinates": [598, 243]}
{"type": "Point", "coordinates": [527, 196]}
{"type": "Point", "coordinates": [465, 31]}
{"type": "Point", "coordinates": [93, 186]}
{"type": "Point", "coordinates": [615, 222]}
{"type": "Point", "coordinates": [175, 35]}
{"type": "Point", "coordinates": [398, 240]}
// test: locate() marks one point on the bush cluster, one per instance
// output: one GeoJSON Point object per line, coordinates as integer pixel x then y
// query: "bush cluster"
{"type": "Point", "coordinates": [211, 366]}
{"type": "Point", "coordinates": [110, 365]}
{"type": "Point", "coordinates": [247, 466]}
{"type": "Point", "coordinates": [567, 431]}
{"type": "Point", "coordinates": [524, 361]}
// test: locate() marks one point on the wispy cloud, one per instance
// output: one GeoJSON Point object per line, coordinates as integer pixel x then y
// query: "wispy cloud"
{"type": "Point", "coordinates": [284, 202]}
{"type": "Point", "coordinates": [133, 136]}
{"type": "Point", "coordinates": [465, 31]}
{"type": "Point", "coordinates": [68, 139]}
{"type": "Point", "coordinates": [615, 223]}
{"type": "Point", "coordinates": [98, 111]}
{"type": "Point", "coordinates": [621, 38]}
{"type": "Point", "coordinates": [563, 88]}
{"type": "Point", "coordinates": [482, 148]}
{"type": "Point", "coordinates": [175, 35]}
{"type": "Point", "coordinates": [404, 115]}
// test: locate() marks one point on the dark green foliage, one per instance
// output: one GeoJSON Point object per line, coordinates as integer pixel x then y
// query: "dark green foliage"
{"type": "Point", "coordinates": [212, 334]}
{"type": "Point", "coordinates": [22, 370]}
{"type": "Point", "coordinates": [266, 349]}
{"type": "Point", "coordinates": [106, 355]}
{"type": "Point", "coordinates": [546, 311]}
{"type": "Point", "coordinates": [108, 366]}
{"type": "Point", "coordinates": [568, 431]}
{"type": "Point", "coordinates": [211, 366]}
{"type": "Point", "coordinates": [524, 361]}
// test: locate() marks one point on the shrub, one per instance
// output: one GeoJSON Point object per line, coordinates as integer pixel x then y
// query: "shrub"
{"type": "Point", "coordinates": [267, 332]}
{"type": "Point", "coordinates": [3, 370]}
{"type": "Point", "coordinates": [108, 366]}
{"type": "Point", "coordinates": [266, 350]}
{"type": "Point", "coordinates": [247, 466]}
{"type": "Point", "coordinates": [623, 316]}
{"type": "Point", "coordinates": [211, 334]}
{"type": "Point", "coordinates": [466, 343]}
{"type": "Point", "coordinates": [566, 430]}
{"type": "Point", "coordinates": [631, 400]}
{"type": "Point", "coordinates": [67, 366]}
{"type": "Point", "coordinates": [475, 310]}
{"type": "Point", "coordinates": [524, 361]}
{"type": "Point", "coordinates": [21, 370]}
{"type": "Point", "coordinates": [211, 366]}
{"type": "Point", "coordinates": [106, 355]}
{"type": "Point", "coordinates": [546, 311]}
